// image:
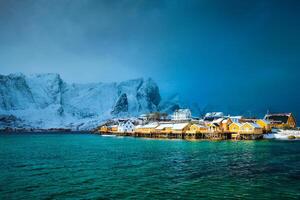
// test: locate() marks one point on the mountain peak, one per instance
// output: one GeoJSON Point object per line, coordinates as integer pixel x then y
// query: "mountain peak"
{"type": "Point", "coordinates": [45, 101]}
{"type": "Point", "coordinates": [15, 75]}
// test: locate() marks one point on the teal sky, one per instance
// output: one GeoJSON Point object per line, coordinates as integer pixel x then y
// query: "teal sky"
{"type": "Point", "coordinates": [237, 54]}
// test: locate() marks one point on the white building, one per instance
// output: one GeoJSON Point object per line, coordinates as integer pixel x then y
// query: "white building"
{"type": "Point", "coordinates": [182, 114]}
{"type": "Point", "coordinates": [126, 126]}
{"type": "Point", "coordinates": [236, 119]}
{"type": "Point", "coordinates": [213, 115]}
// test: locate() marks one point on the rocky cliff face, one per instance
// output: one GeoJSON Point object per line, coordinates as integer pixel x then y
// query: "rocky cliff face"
{"type": "Point", "coordinates": [121, 105]}
{"type": "Point", "coordinates": [46, 101]}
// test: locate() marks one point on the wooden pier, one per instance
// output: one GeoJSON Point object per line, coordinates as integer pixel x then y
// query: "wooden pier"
{"type": "Point", "coordinates": [189, 136]}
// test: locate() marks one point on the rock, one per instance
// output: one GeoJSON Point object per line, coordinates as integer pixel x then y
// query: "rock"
{"type": "Point", "coordinates": [121, 105]}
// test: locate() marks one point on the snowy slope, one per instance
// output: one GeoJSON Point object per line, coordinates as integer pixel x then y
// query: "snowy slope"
{"type": "Point", "coordinates": [46, 101]}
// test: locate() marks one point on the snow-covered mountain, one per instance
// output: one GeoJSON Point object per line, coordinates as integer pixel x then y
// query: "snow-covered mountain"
{"type": "Point", "coordinates": [46, 101]}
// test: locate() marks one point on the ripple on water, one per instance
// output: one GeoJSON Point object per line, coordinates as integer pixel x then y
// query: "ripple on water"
{"type": "Point", "coordinates": [89, 166]}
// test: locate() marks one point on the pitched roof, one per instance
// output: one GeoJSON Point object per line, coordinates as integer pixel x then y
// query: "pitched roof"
{"type": "Point", "coordinates": [199, 126]}
{"type": "Point", "coordinates": [254, 125]}
{"type": "Point", "coordinates": [113, 126]}
{"type": "Point", "coordinates": [162, 126]}
{"type": "Point", "coordinates": [236, 123]}
{"type": "Point", "coordinates": [279, 114]}
{"type": "Point", "coordinates": [217, 121]}
{"type": "Point", "coordinates": [235, 117]}
{"type": "Point", "coordinates": [278, 117]}
{"type": "Point", "coordinates": [179, 126]}
{"type": "Point", "coordinates": [175, 126]}
{"type": "Point", "coordinates": [138, 126]}
{"type": "Point", "coordinates": [122, 123]}
{"type": "Point", "coordinates": [150, 125]}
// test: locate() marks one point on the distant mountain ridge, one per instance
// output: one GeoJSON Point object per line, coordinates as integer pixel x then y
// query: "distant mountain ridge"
{"type": "Point", "coordinates": [46, 101]}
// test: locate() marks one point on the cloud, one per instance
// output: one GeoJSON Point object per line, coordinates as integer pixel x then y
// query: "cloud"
{"type": "Point", "coordinates": [196, 48]}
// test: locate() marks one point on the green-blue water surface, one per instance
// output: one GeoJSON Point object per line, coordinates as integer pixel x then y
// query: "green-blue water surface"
{"type": "Point", "coordinates": [86, 166]}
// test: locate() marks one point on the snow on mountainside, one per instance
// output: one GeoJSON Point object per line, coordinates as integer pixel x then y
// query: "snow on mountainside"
{"type": "Point", "coordinates": [46, 101]}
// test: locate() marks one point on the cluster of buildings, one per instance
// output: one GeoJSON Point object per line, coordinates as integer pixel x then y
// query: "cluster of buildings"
{"type": "Point", "coordinates": [214, 125]}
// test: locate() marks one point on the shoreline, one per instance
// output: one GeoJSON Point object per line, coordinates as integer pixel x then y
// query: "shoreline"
{"type": "Point", "coordinates": [267, 136]}
{"type": "Point", "coordinates": [278, 135]}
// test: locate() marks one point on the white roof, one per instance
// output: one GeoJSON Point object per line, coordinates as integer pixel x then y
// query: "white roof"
{"type": "Point", "coordinates": [179, 126]}
{"type": "Point", "coordinates": [235, 117]}
{"type": "Point", "coordinates": [150, 125]}
{"type": "Point", "coordinates": [252, 124]}
{"type": "Point", "coordinates": [175, 126]}
{"type": "Point", "coordinates": [162, 126]}
{"type": "Point", "coordinates": [138, 126]}
{"type": "Point", "coordinates": [200, 126]}
{"type": "Point", "coordinates": [218, 121]}
{"type": "Point", "coordinates": [214, 114]}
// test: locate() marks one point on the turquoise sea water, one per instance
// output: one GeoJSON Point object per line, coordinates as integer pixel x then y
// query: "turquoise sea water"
{"type": "Point", "coordinates": [86, 166]}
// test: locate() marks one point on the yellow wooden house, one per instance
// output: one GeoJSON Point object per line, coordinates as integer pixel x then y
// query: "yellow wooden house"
{"type": "Point", "coordinates": [197, 128]}
{"type": "Point", "coordinates": [146, 129]}
{"type": "Point", "coordinates": [164, 128]}
{"type": "Point", "coordinates": [234, 127]}
{"type": "Point", "coordinates": [196, 131]}
{"type": "Point", "coordinates": [250, 128]}
{"type": "Point", "coordinates": [264, 124]}
{"type": "Point", "coordinates": [219, 125]}
{"type": "Point", "coordinates": [225, 125]}
{"type": "Point", "coordinates": [281, 120]}
{"type": "Point", "coordinates": [113, 129]}
{"type": "Point", "coordinates": [103, 129]}
{"type": "Point", "coordinates": [214, 128]}
{"type": "Point", "coordinates": [180, 128]}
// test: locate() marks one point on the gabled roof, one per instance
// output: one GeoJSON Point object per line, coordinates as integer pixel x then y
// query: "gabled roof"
{"type": "Point", "coordinates": [150, 125]}
{"type": "Point", "coordinates": [179, 126]}
{"type": "Point", "coordinates": [125, 122]}
{"type": "Point", "coordinates": [254, 125]}
{"type": "Point", "coordinates": [217, 121]}
{"type": "Point", "coordinates": [138, 126]}
{"type": "Point", "coordinates": [113, 126]}
{"type": "Point", "coordinates": [235, 117]}
{"type": "Point", "coordinates": [235, 123]}
{"type": "Point", "coordinates": [278, 117]}
{"type": "Point", "coordinates": [163, 126]}
{"type": "Point", "coordinates": [199, 126]}
{"type": "Point", "coordinates": [279, 114]}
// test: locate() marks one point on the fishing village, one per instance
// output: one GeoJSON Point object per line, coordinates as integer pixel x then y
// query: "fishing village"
{"type": "Point", "coordinates": [213, 126]}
